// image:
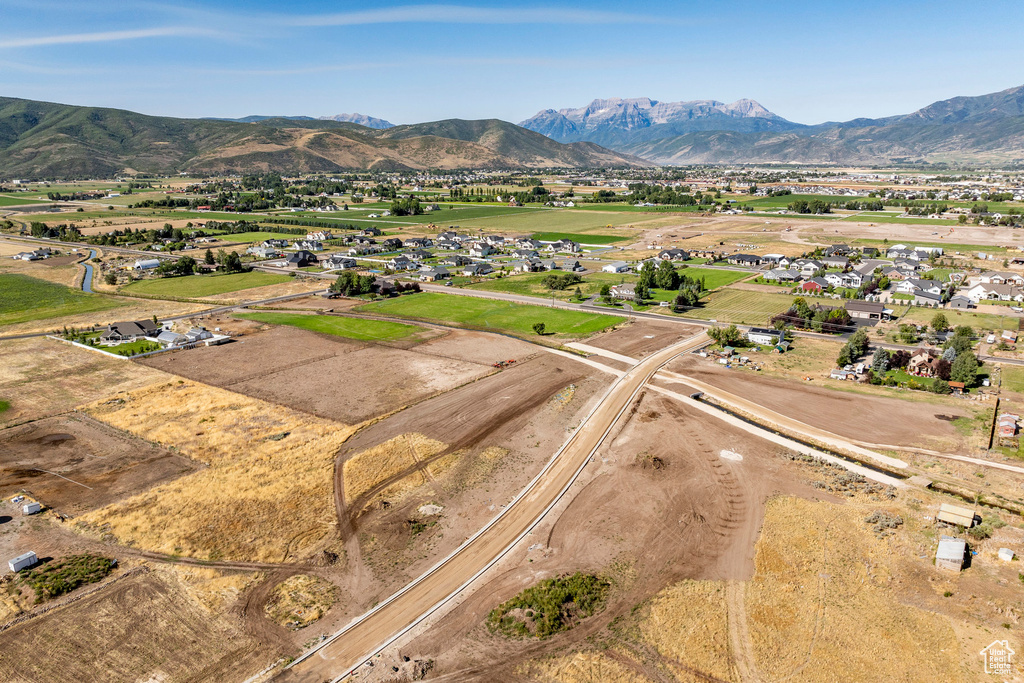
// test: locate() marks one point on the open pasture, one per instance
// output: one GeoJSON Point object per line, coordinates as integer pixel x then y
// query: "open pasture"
{"type": "Point", "coordinates": [490, 314]}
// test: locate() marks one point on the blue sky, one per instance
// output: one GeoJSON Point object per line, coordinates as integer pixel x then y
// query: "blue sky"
{"type": "Point", "coordinates": [807, 61]}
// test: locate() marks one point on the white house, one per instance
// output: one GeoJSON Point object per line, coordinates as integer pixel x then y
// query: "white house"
{"type": "Point", "coordinates": [764, 337]}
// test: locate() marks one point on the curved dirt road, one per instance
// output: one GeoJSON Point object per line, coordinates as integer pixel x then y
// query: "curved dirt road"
{"type": "Point", "coordinates": [350, 647]}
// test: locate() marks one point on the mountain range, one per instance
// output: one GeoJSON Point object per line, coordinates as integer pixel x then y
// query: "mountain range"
{"type": "Point", "coordinates": [361, 119]}
{"type": "Point", "coordinates": [46, 140]}
{"type": "Point", "coordinates": [988, 129]}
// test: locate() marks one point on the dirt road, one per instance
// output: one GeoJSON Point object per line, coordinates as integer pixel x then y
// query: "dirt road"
{"type": "Point", "coordinates": [352, 646]}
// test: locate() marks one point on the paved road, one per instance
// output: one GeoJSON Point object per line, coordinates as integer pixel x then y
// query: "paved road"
{"type": "Point", "coordinates": [353, 645]}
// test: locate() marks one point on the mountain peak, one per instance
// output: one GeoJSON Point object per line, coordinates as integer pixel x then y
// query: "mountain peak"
{"type": "Point", "coordinates": [609, 120]}
{"type": "Point", "coordinates": [361, 119]}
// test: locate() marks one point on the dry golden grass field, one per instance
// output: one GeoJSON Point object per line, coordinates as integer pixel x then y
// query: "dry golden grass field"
{"type": "Point", "coordinates": [688, 623]}
{"type": "Point", "coordinates": [823, 599]}
{"type": "Point", "coordinates": [300, 600]}
{"type": "Point", "coordinates": [582, 667]}
{"type": "Point", "coordinates": [266, 494]}
{"type": "Point", "coordinates": [372, 467]}
{"type": "Point", "coordinates": [41, 377]}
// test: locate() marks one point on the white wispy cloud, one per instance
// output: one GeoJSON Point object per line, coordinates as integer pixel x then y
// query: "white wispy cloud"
{"type": "Point", "coordinates": [463, 14]}
{"type": "Point", "coordinates": [104, 36]}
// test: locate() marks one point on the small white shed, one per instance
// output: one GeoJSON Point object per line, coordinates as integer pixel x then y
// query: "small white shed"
{"type": "Point", "coordinates": [22, 561]}
{"type": "Point", "coordinates": [31, 508]}
{"type": "Point", "coordinates": [951, 553]}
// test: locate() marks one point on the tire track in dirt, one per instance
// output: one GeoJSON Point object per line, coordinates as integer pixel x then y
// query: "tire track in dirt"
{"type": "Point", "coordinates": [819, 612]}
{"type": "Point", "coordinates": [739, 636]}
{"type": "Point", "coordinates": [255, 622]}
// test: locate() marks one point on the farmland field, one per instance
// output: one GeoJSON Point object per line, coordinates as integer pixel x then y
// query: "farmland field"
{"type": "Point", "coordinates": [196, 286]}
{"type": "Point", "coordinates": [488, 314]}
{"type": "Point", "coordinates": [24, 298]}
{"type": "Point", "coordinates": [250, 237]}
{"type": "Point", "coordinates": [736, 306]}
{"type": "Point", "coordinates": [351, 328]}
{"type": "Point", "coordinates": [532, 284]}
{"type": "Point", "coordinates": [559, 221]}
{"type": "Point", "coordinates": [8, 200]}
{"type": "Point", "coordinates": [586, 238]}
{"type": "Point", "coordinates": [979, 321]}
{"type": "Point", "coordinates": [715, 277]}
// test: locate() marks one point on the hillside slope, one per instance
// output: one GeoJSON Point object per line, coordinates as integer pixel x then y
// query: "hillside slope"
{"type": "Point", "coordinates": [46, 140]}
{"type": "Point", "coordinates": [987, 129]}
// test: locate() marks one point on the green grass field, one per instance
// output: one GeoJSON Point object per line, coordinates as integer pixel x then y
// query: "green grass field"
{"type": "Point", "coordinates": [629, 208]}
{"type": "Point", "coordinates": [496, 315]}
{"type": "Point", "coordinates": [15, 200]}
{"type": "Point", "coordinates": [562, 221]}
{"type": "Point", "coordinates": [351, 328]}
{"type": "Point", "coordinates": [198, 286]}
{"type": "Point", "coordinates": [4, 406]}
{"type": "Point", "coordinates": [737, 306]}
{"type": "Point", "coordinates": [133, 348]}
{"type": "Point", "coordinates": [532, 284]}
{"type": "Point", "coordinates": [979, 321]}
{"type": "Point", "coordinates": [586, 238]}
{"type": "Point", "coordinates": [24, 298]}
{"type": "Point", "coordinates": [912, 220]}
{"type": "Point", "coordinates": [782, 201]}
{"type": "Point", "coordinates": [715, 277]}
{"type": "Point", "coordinates": [1013, 378]}
{"type": "Point", "coordinates": [251, 237]}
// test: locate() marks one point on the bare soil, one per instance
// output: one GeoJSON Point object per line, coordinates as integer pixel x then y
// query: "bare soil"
{"type": "Point", "coordinates": [658, 505]}
{"type": "Point", "coordinates": [872, 419]}
{"type": "Point", "coordinates": [641, 337]}
{"type": "Point", "coordinates": [141, 627]}
{"type": "Point", "coordinates": [74, 464]}
{"type": "Point", "coordinates": [340, 379]}
{"type": "Point", "coordinates": [513, 410]}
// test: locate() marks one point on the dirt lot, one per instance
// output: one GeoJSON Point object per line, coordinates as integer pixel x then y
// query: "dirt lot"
{"type": "Point", "coordinates": [855, 416]}
{"type": "Point", "coordinates": [471, 450]}
{"type": "Point", "coordinates": [641, 337]}
{"type": "Point", "coordinates": [74, 464]}
{"type": "Point", "coordinates": [657, 506]}
{"type": "Point", "coordinates": [306, 371]}
{"type": "Point", "coordinates": [42, 377]}
{"type": "Point", "coordinates": [141, 627]}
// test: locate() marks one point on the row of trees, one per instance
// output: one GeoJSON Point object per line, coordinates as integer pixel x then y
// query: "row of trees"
{"type": "Point", "coordinates": [813, 317]}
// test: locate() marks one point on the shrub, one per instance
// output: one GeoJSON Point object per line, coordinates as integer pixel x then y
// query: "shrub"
{"type": "Point", "coordinates": [556, 605]}
{"type": "Point", "coordinates": [63, 576]}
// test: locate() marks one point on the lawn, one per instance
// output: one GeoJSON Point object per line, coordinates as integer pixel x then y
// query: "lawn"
{"type": "Point", "coordinates": [576, 237]}
{"type": "Point", "coordinates": [24, 298]}
{"type": "Point", "coordinates": [561, 221]}
{"type": "Point", "coordinates": [532, 284]}
{"type": "Point", "coordinates": [250, 237]}
{"type": "Point", "coordinates": [8, 200]}
{"type": "Point", "coordinates": [133, 348]}
{"type": "Point", "coordinates": [714, 277]}
{"type": "Point", "coordinates": [979, 321]}
{"type": "Point", "coordinates": [738, 306]}
{"type": "Point", "coordinates": [4, 406]}
{"type": "Point", "coordinates": [495, 315]}
{"type": "Point", "coordinates": [198, 286]}
{"type": "Point", "coordinates": [918, 220]}
{"type": "Point", "coordinates": [359, 329]}
{"type": "Point", "coordinates": [1012, 378]}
